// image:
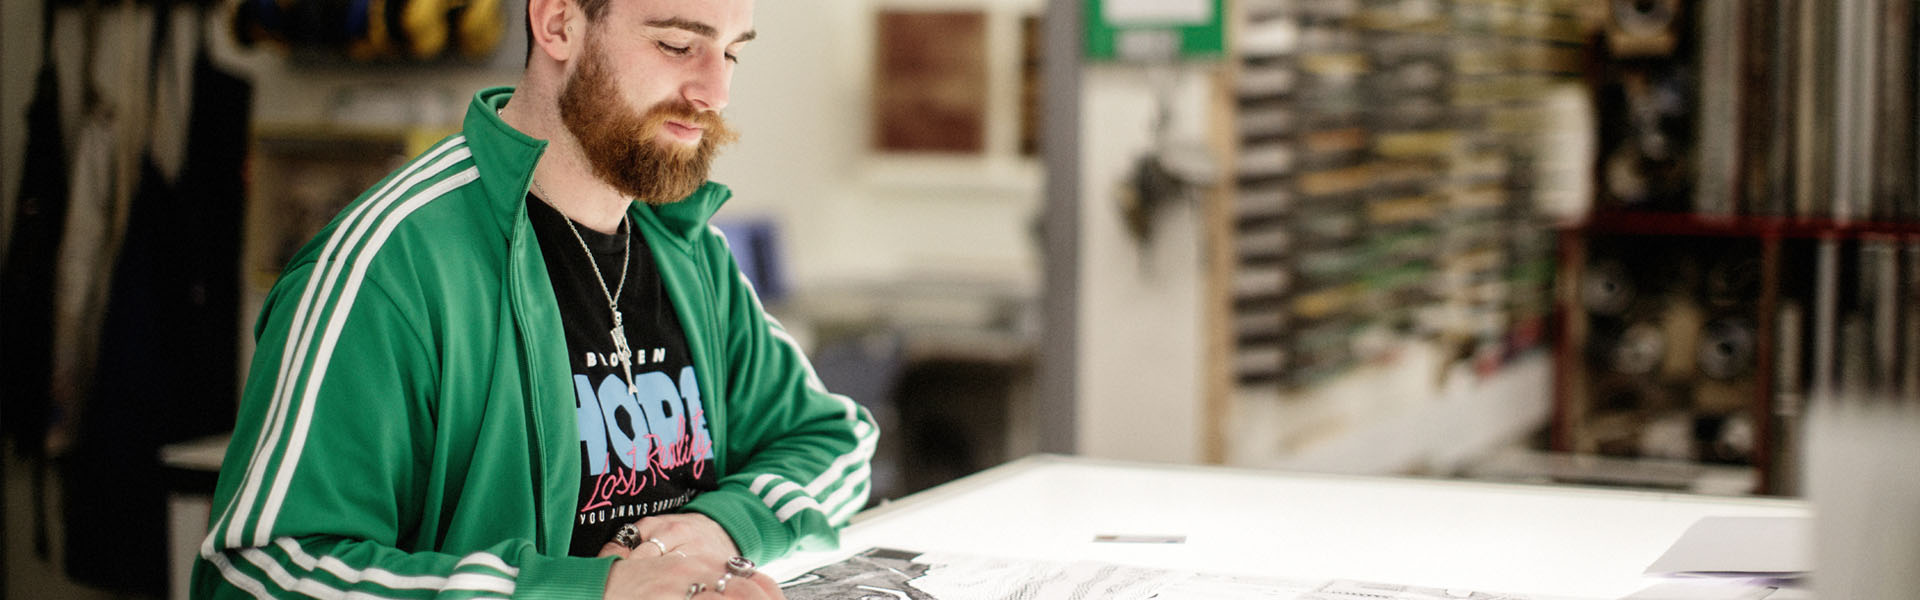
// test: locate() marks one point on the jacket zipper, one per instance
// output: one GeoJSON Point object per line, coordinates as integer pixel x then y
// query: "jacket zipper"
{"type": "Point", "coordinates": [532, 405]}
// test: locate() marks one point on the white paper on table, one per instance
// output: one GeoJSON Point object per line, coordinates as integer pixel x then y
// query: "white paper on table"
{"type": "Point", "coordinates": [909, 575]}
{"type": "Point", "coordinates": [1702, 590]}
{"type": "Point", "coordinates": [1740, 547]}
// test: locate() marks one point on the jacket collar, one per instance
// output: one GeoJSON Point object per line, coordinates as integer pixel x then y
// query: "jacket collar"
{"type": "Point", "coordinates": [506, 158]}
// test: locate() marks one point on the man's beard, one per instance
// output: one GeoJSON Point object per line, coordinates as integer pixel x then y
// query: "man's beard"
{"type": "Point", "coordinates": [621, 144]}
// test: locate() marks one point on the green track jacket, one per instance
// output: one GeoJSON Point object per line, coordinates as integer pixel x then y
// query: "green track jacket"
{"type": "Point", "coordinates": [408, 428]}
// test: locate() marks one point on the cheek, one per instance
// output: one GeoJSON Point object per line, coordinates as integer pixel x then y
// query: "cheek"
{"type": "Point", "coordinates": [641, 83]}
{"type": "Point", "coordinates": [645, 97]}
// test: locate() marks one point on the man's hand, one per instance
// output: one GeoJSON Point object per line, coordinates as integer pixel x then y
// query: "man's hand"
{"type": "Point", "coordinates": [678, 576]}
{"type": "Point", "coordinates": [690, 533]}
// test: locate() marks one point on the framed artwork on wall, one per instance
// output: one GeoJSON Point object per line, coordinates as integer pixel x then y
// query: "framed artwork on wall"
{"type": "Point", "coordinates": [930, 81]}
{"type": "Point", "coordinates": [952, 98]}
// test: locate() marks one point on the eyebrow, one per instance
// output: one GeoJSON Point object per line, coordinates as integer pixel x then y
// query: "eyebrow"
{"type": "Point", "coordinates": [698, 28]}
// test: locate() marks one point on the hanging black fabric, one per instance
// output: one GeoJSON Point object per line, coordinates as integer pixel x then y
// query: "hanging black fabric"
{"type": "Point", "coordinates": [168, 347]}
{"type": "Point", "coordinates": [27, 285]}
{"type": "Point", "coordinates": [26, 282]}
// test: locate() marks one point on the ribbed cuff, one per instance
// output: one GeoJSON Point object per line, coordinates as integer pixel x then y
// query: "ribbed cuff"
{"type": "Point", "coordinates": [563, 578]}
{"type": "Point", "coordinates": [760, 537]}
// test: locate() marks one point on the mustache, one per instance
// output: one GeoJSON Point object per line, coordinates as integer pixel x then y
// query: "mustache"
{"type": "Point", "coordinates": [715, 130]}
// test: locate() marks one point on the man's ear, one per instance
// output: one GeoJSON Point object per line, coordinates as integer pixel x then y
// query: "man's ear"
{"type": "Point", "coordinates": [555, 31]}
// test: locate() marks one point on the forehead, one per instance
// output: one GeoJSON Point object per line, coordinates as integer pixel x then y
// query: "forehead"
{"type": "Point", "coordinates": [728, 18]}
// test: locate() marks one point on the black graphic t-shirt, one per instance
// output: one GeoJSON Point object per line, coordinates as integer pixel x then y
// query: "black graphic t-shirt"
{"type": "Point", "coordinates": [644, 444]}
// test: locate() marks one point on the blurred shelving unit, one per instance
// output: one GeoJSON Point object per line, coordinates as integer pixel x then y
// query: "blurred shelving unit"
{"type": "Point", "coordinates": [1378, 241]}
{"type": "Point", "coordinates": [1752, 241]}
{"type": "Point", "coordinates": [1742, 287]}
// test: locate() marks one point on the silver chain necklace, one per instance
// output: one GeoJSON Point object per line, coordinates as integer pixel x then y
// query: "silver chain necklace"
{"type": "Point", "coordinates": [619, 331]}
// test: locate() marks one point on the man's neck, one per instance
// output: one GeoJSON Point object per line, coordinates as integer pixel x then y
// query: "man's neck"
{"type": "Point", "coordinates": [564, 173]}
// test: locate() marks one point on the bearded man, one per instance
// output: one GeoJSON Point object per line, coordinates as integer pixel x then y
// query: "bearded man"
{"type": "Point", "coordinates": [523, 365]}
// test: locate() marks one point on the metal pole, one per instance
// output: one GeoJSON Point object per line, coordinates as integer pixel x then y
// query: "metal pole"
{"type": "Point", "coordinates": [1058, 364]}
{"type": "Point", "coordinates": [1826, 318]}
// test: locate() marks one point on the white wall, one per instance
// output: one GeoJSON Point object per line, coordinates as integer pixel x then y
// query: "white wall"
{"type": "Point", "coordinates": [1140, 307]}
{"type": "Point", "coordinates": [800, 98]}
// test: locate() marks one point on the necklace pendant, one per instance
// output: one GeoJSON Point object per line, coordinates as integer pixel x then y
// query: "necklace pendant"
{"type": "Point", "coordinates": [625, 352]}
{"type": "Point", "coordinates": [619, 331]}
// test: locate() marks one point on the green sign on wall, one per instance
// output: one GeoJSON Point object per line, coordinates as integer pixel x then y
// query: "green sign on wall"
{"type": "Point", "coordinates": [1155, 29]}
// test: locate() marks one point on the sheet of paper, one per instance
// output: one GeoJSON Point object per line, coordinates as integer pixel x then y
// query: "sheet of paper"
{"type": "Point", "coordinates": [1702, 590]}
{"type": "Point", "coordinates": [1740, 547]}
{"type": "Point", "coordinates": [884, 573]}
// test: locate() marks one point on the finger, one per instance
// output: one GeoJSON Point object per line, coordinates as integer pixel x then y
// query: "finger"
{"type": "Point", "coordinates": [652, 547]}
{"type": "Point", "coordinates": [662, 528]}
{"type": "Point", "coordinates": [694, 533]}
{"type": "Point", "coordinates": [757, 586]}
{"type": "Point", "coordinates": [656, 578]}
{"type": "Point", "coordinates": [704, 591]}
{"type": "Point", "coordinates": [737, 589]}
{"type": "Point", "coordinates": [740, 589]}
{"type": "Point", "coordinates": [652, 541]}
{"type": "Point", "coordinates": [676, 529]}
{"type": "Point", "coordinates": [613, 549]}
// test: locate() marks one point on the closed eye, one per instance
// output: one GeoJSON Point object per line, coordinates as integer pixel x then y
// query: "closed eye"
{"type": "Point", "coordinates": [674, 50]}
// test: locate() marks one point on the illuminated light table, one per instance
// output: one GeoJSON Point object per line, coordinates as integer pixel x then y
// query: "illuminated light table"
{"type": "Point", "coordinates": [1543, 541]}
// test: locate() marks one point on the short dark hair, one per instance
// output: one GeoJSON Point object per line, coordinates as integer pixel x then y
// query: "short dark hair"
{"type": "Point", "coordinates": [593, 8]}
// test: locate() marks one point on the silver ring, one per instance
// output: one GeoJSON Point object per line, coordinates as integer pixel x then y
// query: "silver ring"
{"type": "Point", "coordinates": [624, 537]}
{"type": "Point", "coordinates": [721, 585]}
{"type": "Point", "coordinates": [695, 589]}
{"type": "Point", "coordinates": [740, 566]}
{"type": "Point", "coordinates": [657, 544]}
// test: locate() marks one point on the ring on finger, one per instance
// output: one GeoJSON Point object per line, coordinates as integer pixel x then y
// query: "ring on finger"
{"type": "Point", "coordinates": [657, 544]}
{"type": "Point", "coordinates": [624, 537]}
{"type": "Point", "coordinates": [740, 566]}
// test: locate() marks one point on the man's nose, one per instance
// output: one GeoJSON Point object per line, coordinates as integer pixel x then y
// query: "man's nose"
{"type": "Point", "coordinates": [708, 88]}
